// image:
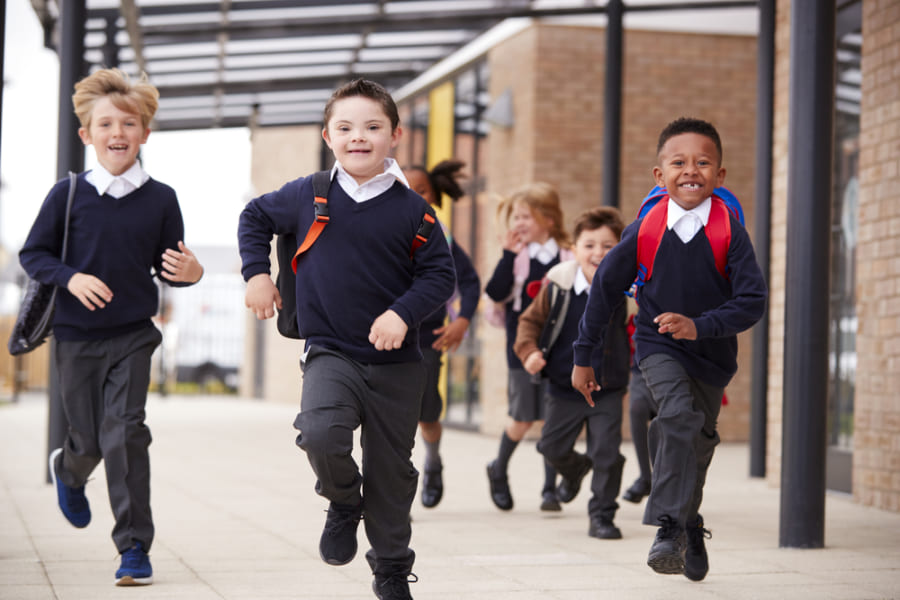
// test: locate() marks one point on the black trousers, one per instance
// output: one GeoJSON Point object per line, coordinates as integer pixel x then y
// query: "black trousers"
{"type": "Point", "coordinates": [683, 437]}
{"type": "Point", "coordinates": [104, 385]}
{"type": "Point", "coordinates": [340, 395]}
{"type": "Point", "coordinates": [565, 415]}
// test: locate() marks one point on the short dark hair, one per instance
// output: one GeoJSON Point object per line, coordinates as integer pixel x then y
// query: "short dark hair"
{"type": "Point", "coordinates": [600, 216]}
{"type": "Point", "coordinates": [366, 89]}
{"type": "Point", "coordinates": [689, 125]}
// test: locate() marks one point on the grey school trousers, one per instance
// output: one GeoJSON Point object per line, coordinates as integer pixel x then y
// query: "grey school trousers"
{"type": "Point", "coordinates": [564, 418]}
{"type": "Point", "coordinates": [339, 395]}
{"type": "Point", "coordinates": [104, 384]}
{"type": "Point", "coordinates": [683, 437]}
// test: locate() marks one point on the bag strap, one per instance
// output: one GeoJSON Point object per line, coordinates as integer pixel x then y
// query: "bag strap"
{"type": "Point", "coordinates": [424, 232]}
{"type": "Point", "coordinates": [718, 232]}
{"type": "Point", "coordinates": [321, 181]}
{"type": "Point", "coordinates": [73, 180]}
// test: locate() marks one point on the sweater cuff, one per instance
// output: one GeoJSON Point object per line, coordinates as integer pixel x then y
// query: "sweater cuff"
{"type": "Point", "coordinates": [582, 355]}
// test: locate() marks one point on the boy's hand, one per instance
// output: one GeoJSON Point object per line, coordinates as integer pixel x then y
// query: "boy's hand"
{"type": "Point", "coordinates": [512, 241]}
{"type": "Point", "coordinates": [584, 381]}
{"type": "Point", "coordinates": [534, 362]}
{"type": "Point", "coordinates": [89, 290]}
{"type": "Point", "coordinates": [450, 336]}
{"type": "Point", "coordinates": [680, 326]}
{"type": "Point", "coordinates": [388, 331]}
{"type": "Point", "coordinates": [181, 266]}
{"type": "Point", "coordinates": [261, 296]}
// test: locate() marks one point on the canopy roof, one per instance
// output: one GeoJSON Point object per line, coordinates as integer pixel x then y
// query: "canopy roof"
{"type": "Point", "coordinates": [275, 62]}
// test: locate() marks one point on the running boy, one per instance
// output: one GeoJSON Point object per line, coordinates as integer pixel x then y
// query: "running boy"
{"type": "Point", "coordinates": [546, 331]}
{"type": "Point", "coordinates": [686, 333]}
{"type": "Point", "coordinates": [125, 231]}
{"type": "Point", "coordinates": [360, 299]}
{"type": "Point", "coordinates": [436, 336]}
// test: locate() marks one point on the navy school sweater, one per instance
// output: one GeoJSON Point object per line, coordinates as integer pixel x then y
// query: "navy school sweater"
{"type": "Point", "coordinates": [120, 241]}
{"type": "Point", "coordinates": [500, 286]}
{"type": "Point", "coordinates": [609, 359]}
{"type": "Point", "coordinates": [685, 281]}
{"type": "Point", "coordinates": [469, 286]}
{"type": "Point", "coordinates": [358, 268]}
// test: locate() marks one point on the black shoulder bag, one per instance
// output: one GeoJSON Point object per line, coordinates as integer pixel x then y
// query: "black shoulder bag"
{"type": "Point", "coordinates": [35, 320]}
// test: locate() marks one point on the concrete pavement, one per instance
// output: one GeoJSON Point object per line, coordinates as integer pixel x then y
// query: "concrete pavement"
{"type": "Point", "coordinates": [237, 519]}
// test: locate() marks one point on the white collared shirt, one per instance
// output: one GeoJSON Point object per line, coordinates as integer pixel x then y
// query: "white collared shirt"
{"type": "Point", "coordinates": [373, 187]}
{"type": "Point", "coordinates": [117, 186]}
{"type": "Point", "coordinates": [686, 223]}
{"type": "Point", "coordinates": [543, 252]}
{"type": "Point", "coordinates": [581, 283]}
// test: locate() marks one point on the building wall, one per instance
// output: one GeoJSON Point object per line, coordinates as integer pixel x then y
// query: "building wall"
{"type": "Point", "coordinates": [558, 137]}
{"type": "Point", "coordinates": [876, 456]}
{"type": "Point", "coordinates": [778, 249]}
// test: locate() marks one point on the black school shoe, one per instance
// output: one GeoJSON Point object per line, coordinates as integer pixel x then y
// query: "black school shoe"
{"type": "Point", "coordinates": [569, 487]}
{"type": "Point", "coordinates": [500, 493]}
{"type": "Point", "coordinates": [637, 491]}
{"type": "Point", "coordinates": [549, 501]}
{"type": "Point", "coordinates": [394, 586]}
{"type": "Point", "coordinates": [604, 529]}
{"type": "Point", "coordinates": [432, 488]}
{"type": "Point", "coordinates": [696, 561]}
{"type": "Point", "coordinates": [337, 545]}
{"type": "Point", "coordinates": [667, 552]}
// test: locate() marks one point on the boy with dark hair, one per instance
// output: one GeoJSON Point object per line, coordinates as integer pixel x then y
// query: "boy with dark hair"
{"type": "Point", "coordinates": [544, 339]}
{"type": "Point", "coordinates": [360, 299]}
{"type": "Point", "coordinates": [687, 323]}
{"type": "Point", "coordinates": [125, 231]}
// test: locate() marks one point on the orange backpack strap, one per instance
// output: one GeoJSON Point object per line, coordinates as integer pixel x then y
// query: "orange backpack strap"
{"type": "Point", "coordinates": [321, 183]}
{"type": "Point", "coordinates": [718, 232]}
{"type": "Point", "coordinates": [429, 219]}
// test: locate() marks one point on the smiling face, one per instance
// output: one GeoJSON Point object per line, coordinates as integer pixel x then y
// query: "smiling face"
{"type": "Point", "coordinates": [361, 137]}
{"type": "Point", "coordinates": [591, 246]}
{"type": "Point", "coordinates": [526, 226]}
{"type": "Point", "coordinates": [689, 168]}
{"type": "Point", "coordinates": [116, 134]}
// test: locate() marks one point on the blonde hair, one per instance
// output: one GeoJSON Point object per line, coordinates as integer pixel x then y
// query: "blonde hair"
{"type": "Point", "coordinates": [141, 98]}
{"type": "Point", "coordinates": [543, 202]}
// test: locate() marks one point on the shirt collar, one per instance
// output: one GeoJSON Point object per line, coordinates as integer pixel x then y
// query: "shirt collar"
{"type": "Point", "coordinates": [701, 211]}
{"type": "Point", "coordinates": [581, 283]}
{"type": "Point", "coordinates": [543, 252]}
{"type": "Point", "coordinates": [102, 179]}
{"type": "Point", "coordinates": [373, 187]}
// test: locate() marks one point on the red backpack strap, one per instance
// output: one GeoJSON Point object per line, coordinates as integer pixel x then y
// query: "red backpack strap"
{"type": "Point", "coordinates": [650, 233]}
{"type": "Point", "coordinates": [718, 232]}
{"type": "Point", "coordinates": [428, 221]}
{"type": "Point", "coordinates": [321, 182]}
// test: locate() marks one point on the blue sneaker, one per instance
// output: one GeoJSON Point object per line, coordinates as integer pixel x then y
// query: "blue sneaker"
{"type": "Point", "coordinates": [135, 568]}
{"type": "Point", "coordinates": [72, 502]}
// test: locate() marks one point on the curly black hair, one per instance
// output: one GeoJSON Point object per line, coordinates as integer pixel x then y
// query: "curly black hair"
{"type": "Point", "coordinates": [444, 178]}
{"type": "Point", "coordinates": [689, 125]}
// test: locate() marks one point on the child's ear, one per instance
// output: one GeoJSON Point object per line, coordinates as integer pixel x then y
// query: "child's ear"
{"type": "Point", "coordinates": [85, 136]}
{"type": "Point", "coordinates": [326, 137]}
{"type": "Point", "coordinates": [396, 135]}
{"type": "Point", "coordinates": [146, 135]}
{"type": "Point", "coordinates": [658, 177]}
{"type": "Point", "coordinates": [720, 177]}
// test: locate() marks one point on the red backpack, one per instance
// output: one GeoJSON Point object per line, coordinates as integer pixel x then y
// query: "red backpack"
{"type": "Point", "coordinates": [654, 212]}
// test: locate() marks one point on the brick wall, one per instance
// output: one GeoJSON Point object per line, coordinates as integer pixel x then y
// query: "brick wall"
{"type": "Point", "coordinates": [876, 456]}
{"type": "Point", "coordinates": [557, 77]}
{"type": "Point", "coordinates": [778, 248]}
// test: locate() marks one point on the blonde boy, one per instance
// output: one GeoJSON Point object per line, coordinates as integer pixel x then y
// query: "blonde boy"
{"type": "Point", "coordinates": [125, 231]}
